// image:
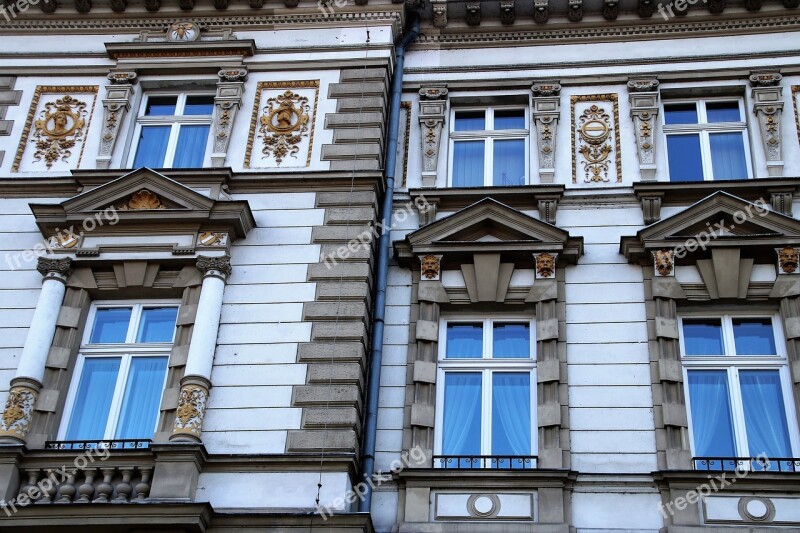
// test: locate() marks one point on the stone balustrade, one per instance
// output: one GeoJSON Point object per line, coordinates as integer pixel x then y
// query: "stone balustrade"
{"type": "Point", "coordinates": [93, 484]}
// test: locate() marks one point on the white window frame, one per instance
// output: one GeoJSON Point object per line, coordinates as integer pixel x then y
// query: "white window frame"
{"type": "Point", "coordinates": [488, 137]}
{"type": "Point", "coordinates": [704, 128]}
{"type": "Point", "coordinates": [732, 363]}
{"type": "Point", "coordinates": [125, 351]}
{"type": "Point", "coordinates": [175, 122]}
{"type": "Point", "coordinates": [486, 366]}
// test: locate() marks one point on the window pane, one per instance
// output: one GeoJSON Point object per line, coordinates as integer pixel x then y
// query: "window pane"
{"type": "Point", "coordinates": [93, 399]}
{"type": "Point", "coordinates": [511, 413]}
{"type": "Point", "coordinates": [511, 340]}
{"type": "Point", "coordinates": [711, 413]}
{"type": "Point", "coordinates": [470, 121]}
{"type": "Point", "coordinates": [464, 341]}
{"type": "Point", "coordinates": [468, 164]}
{"type": "Point", "coordinates": [191, 148]}
{"type": "Point", "coordinates": [142, 398]}
{"type": "Point", "coordinates": [703, 336]}
{"type": "Point", "coordinates": [199, 105]}
{"type": "Point", "coordinates": [685, 161]}
{"type": "Point", "coordinates": [509, 162]}
{"type": "Point", "coordinates": [462, 414]}
{"type": "Point", "coordinates": [727, 156]}
{"type": "Point", "coordinates": [680, 113]}
{"type": "Point", "coordinates": [157, 325]}
{"type": "Point", "coordinates": [509, 119]}
{"type": "Point", "coordinates": [152, 146]}
{"type": "Point", "coordinates": [160, 106]}
{"type": "Point", "coordinates": [765, 414]}
{"type": "Point", "coordinates": [723, 112]}
{"type": "Point", "coordinates": [111, 325]}
{"type": "Point", "coordinates": [753, 336]}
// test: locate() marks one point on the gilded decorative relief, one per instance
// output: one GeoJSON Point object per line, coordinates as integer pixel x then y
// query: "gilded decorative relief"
{"type": "Point", "coordinates": [282, 126]}
{"type": "Point", "coordinates": [59, 118]}
{"type": "Point", "coordinates": [664, 263]}
{"type": "Point", "coordinates": [142, 200]}
{"type": "Point", "coordinates": [191, 410]}
{"type": "Point", "coordinates": [430, 265]}
{"type": "Point", "coordinates": [17, 414]}
{"type": "Point", "coordinates": [788, 260]}
{"type": "Point", "coordinates": [595, 138]}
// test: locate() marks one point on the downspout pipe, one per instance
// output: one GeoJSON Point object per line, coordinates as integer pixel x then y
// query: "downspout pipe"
{"type": "Point", "coordinates": [384, 249]}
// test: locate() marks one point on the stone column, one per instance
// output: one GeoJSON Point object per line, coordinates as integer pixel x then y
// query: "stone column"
{"type": "Point", "coordinates": [27, 383]}
{"type": "Point", "coordinates": [432, 108]}
{"type": "Point", "coordinates": [768, 107]}
{"type": "Point", "coordinates": [546, 109]}
{"type": "Point", "coordinates": [644, 110]}
{"type": "Point", "coordinates": [196, 381]}
{"type": "Point", "coordinates": [115, 106]}
{"type": "Point", "coordinates": [227, 102]}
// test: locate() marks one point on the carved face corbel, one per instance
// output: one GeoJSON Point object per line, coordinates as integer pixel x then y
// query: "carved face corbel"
{"type": "Point", "coordinates": [663, 263]}
{"type": "Point", "coordinates": [431, 267]}
{"type": "Point", "coordinates": [788, 259]}
{"type": "Point", "coordinates": [546, 265]}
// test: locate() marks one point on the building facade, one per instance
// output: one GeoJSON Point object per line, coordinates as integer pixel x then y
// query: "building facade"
{"type": "Point", "coordinates": [583, 313]}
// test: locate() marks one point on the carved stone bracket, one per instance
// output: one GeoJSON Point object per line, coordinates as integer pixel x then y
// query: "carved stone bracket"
{"type": "Point", "coordinates": [644, 110]}
{"type": "Point", "coordinates": [473, 14]}
{"type": "Point", "coordinates": [439, 13]}
{"type": "Point", "coordinates": [432, 108]}
{"type": "Point", "coordinates": [541, 11]}
{"type": "Point", "coordinates": [575, 11]}
{"type": "Point", "coordinates": [610, 9]}
{"type": "Point", "coordinates": [546, 109]}
{"type": "Point", "coordinates": [547, 209]}
{"type": "Point", "coordinates": [651, 208]}
{"type": "Point", "coordinates": [227, 102]}
{"type": "Point", "coordinates": [191, 408]}
{"type": "Point", "coordinates": [507, 11]}
{"type": "Point", "coordinates": [781, 200]}
{"type": "Point", "coordinates": [768, 107]}
{"type": "Point", "coordinates": [115, 106]}
{"type": "Point", "coordinates": [16, 419]}
{"type": "Point", "coordinates": [427, 210]}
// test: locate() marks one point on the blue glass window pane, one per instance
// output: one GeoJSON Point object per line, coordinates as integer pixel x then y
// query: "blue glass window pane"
{"type": "Point", "coordinates": [765, 414]}
{"type": "Point", "coordinates": [509, 162]}
{"type": "Point", "coordinates": [199, 105]}
{"type": "Point", "coordinates": [111, 325]}
{"type": "Point", "coordinates": [157, 325]}
{"type": "Point", "coordinates": [468, 164]}
{"type": "Point", "coordinates": [464, 341]}
{"type": "Point", "coordinates": [470, 121]}
{"type": "Point", "coordinates": [142, 398]}
{"type": "Point", "coordinates": [462, 414]}
{"type": "Point", "coordinates": [753, 336]}
{"type": "Point", "coordinates": [160, 106]}
{"type": "Point", "coordinates": [93, 399]}
{"type": "Point", "coordinates": [727, 156]}
{"type": "Point", "coordinates": [152, 146]}
{"type": "Point", "coordinates": [511, 413]}
{"type": "Point", "coordinates": [712, 427]}
{"type": "Point", "coordinates": [680, 113]}
{"type": "Point", "coordinates": [723, 112]}
{"type": "Point", "coordinates": [511, 341]}
{"type": "Point", "coordinates": [685, 160]}
{"type": "Point", "coordinates": [509, 119]}
{"type": "Point", "coordinates": [191, 148]}
{"type": "Point", "coordinates": [703, 336]}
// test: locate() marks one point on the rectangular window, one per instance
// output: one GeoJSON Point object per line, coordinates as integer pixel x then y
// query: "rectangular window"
{"type": "Point", "coordinates": [486, 405]}
{"type": "Point", "coordinates": [172, 131]}
{"type": "Point", "coordinates": [738, 392]}
{"type": "Point", "coordinates": [706, 139]}
{"type": "Point", "coordinates": [489, 147]}
{"type": "Point", "coordinates": [121, 370]}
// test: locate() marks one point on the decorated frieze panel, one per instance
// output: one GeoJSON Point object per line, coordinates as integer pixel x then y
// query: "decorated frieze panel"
{"type": "Point", "coordinates": [55, 131]}
{"type": "Point", "coordinates": [796, 102]}
{"type": "Point", "coordinates": [596, 154]}
{"type": "Point", "coordinates": [282, 125]}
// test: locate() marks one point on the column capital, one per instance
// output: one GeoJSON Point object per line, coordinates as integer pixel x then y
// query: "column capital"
{"type": "Point", "coordinates": [219, 266]}
{"type": "Point", "coordinates": [58, 269]}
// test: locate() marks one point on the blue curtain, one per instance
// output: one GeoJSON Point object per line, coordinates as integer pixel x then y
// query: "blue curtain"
{"type": "Point", "coordinates": [511, 413]}
{"type": "Point", "coordinates": [727, 156]}
{"type": "Point", "coordinates": [754, 336]}
{"type": "Point", "coordinates": [764, 413]}
{"type": "Point", "coordinates": [157, 325]}
{"type": "Point", "coordinates": [111, 325]}
{"type": "Point", "coordinates": [511, 340]}
{"type": "Point", "coordinates": [152, 146]}
{"type": "Point", "coordinates": [683, 155]}
{"type": "Point", "coordinates": [464, 341]}
{"type": "Point", "coordinates": [191, 148]}
{"type": "Point", "coordinates": [703, 337]}
{"type": "Point", "coordinates": [462, 414]}
{"type": "Point", "coordinates": [509, 162]}
{"type": "Point", "coordinates": [142, 397]}
{"type": "Point", "coordinates": [712, 426]}
{"type": "Point", "coordinates": [468, 163]}
{"type": "Point", "coordinates": [93, 400]}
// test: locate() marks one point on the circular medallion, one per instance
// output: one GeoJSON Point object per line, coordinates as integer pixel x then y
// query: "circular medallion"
{"type": "Point", "coordinates": [483, 505]}
{"type": "Point", "coordinates": [183, 31]}
{"type": "Point", "coordinates": [756, 509]}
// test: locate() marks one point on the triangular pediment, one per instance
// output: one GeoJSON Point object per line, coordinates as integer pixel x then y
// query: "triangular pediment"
{"type": "Point", "coordinates": [489, 225]}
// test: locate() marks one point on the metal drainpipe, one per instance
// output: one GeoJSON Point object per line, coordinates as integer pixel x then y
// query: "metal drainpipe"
{"type": "Point", "coordinates": [384, 247]}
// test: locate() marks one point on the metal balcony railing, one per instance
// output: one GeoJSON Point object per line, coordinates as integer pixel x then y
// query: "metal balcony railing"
{"type": "Point", "coordinates": [115, 445]}
{"type": "Point", "coordinates": [752, 464]}
{"type": "Point", "coordinates": [493, 462]}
